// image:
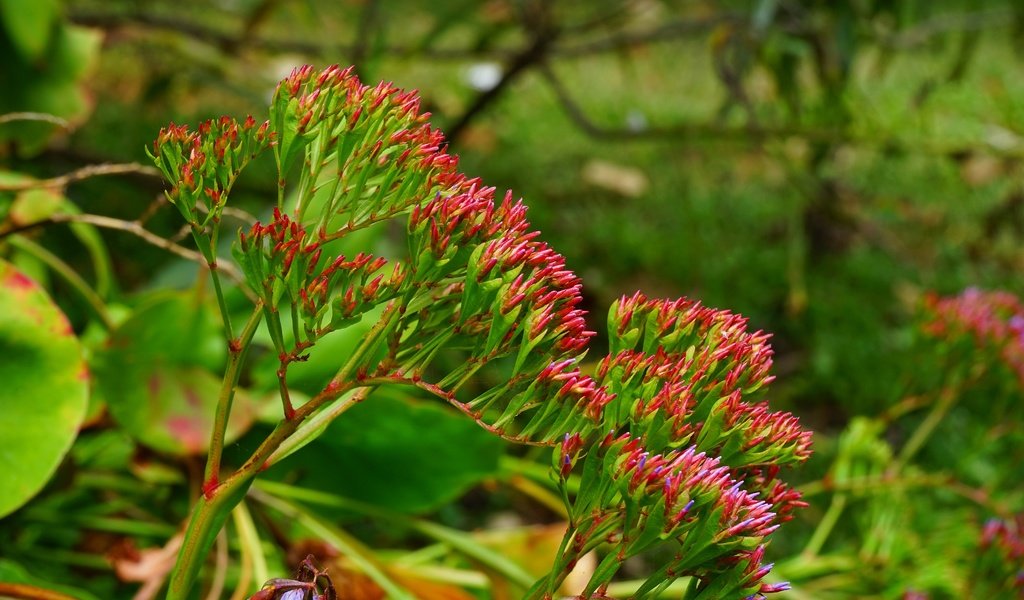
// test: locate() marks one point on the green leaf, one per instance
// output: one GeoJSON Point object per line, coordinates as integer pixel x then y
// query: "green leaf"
{"type": "Point", "coordinates": [399, 453]}
{"type": "Point", "coordinates": [53, 86]}
{"type": "Point", "coordinates": [155, 375]}
{"type": "Point", "coordinates": [45, 388]}
{"type": "Point", "coordinates": [325, 358]}
{"type": "Point", "coordinates": [12, 572]}
{"type": "Point", "coordinates": [29, 25]}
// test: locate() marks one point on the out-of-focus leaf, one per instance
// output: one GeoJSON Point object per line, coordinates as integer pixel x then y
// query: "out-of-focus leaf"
{"type": "Point", "coordinates": [325, 358]}
{"type": "Point", "coordinates": [351, 584]}
{"type": "Point", "coordinates": [12, 572]}
{"type": "Point", "coordinates": [45, 388]}
{"type": "Point", "coordinates": [399, 453]}
{"type": "Point", "coordinates": [29, 25]}
{"type": "Point", "coordinates": [157, 376]}
{"type": "Point", "coordinates": [51, 85]}
{"type": "Point", "coordinates": [34, 205]}
{"type": "Point", "coordinates": [37, 204]}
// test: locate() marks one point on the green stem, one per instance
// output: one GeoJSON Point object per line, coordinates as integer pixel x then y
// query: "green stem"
{"type": "Point", "coordinates": [947, 398]}
{"type": "Point", "coordinates": [214, 506]}
{"type": "Point", "coordinates": [315, 425]}
{"type": "Point", "coordinates": [208, 247]}
{"type": "Point", "coordinates": [61, 269]}
{"type": "Point", "coordinates": [546, 585]}
{"type": "Point", "coordinates": [825, 526]}
{"type": "Point", "coordinates": [218, 290]}
{"type": "Point", "coordinates": [208, 517]}
{"type": "Point", "coordinates": [277, 338]}
{"type": "Point", "coordinates": [237, 349]}
{"type": "Point", "coordinates": [375, 336]}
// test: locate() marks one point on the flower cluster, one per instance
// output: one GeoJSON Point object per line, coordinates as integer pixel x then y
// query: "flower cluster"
{"type": "Point", "coordinates": [994, 319]}
{"type": "Point", "coordinates": [203, 164]}
{"type": "Point", "coordinates": [282, 261]}
{"type": "Point", "coordinates": [999, 567]}
{"type": "Point", "coordinates": [369, 153]}
{"type": "Point", "coordinates": [690, 461]}
{"type": "Point", "coordinates": [687, 501]}
{"type": "Point", "coordinates": [674, 449]}
{"type": "Point", "coordinates": [512, 296]}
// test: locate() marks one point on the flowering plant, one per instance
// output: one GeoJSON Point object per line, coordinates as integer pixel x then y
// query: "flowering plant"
{"type": "Point", "coordinates": [672, 449]}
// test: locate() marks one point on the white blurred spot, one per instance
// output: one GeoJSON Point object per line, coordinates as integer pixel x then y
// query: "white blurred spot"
{"type": "Point", "coordinates": [636, 120]}
{"type": "Point", "coordinates": [483, 76]}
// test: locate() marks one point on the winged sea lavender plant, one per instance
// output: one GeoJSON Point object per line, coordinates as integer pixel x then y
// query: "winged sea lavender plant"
{"type": "Point", "coordinates": [672, 448]}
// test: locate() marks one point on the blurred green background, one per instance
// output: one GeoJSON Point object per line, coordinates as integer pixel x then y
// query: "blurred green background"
{"type": "Point", "coordinates": [812, 165]}
{"type": "Point", "coordinates": [817, 166]}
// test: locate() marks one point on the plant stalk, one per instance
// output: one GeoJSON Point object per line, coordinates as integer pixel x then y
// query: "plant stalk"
{"type": "Point", "coordinates": [237, 350]}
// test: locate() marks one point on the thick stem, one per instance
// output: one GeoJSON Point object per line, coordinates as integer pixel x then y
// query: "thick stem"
{"type": "Point", "coordinates": [214, 507]}
{"type": "Point", "coordinates": [208, 517]}
{"type": "Point", "coordinates": [237, 350]}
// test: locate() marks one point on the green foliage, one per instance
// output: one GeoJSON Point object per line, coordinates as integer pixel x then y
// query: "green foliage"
{"type": "Point", "coordinates": [46, 61]}
{"type": "Point", "coordinates": [432, 456]}
{"type": "Point", "coordinates": [837, 172]}
{"type": "Point", "coordinates": [45, 386]}
{"type": "Point", "coordinates": [157, 376]}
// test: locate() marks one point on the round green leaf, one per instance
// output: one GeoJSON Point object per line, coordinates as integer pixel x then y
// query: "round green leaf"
{"type": "Point", "coordinates": [45, 388]}
{"type": "Point", "coordinates": [396, 452]}
{"type": "Point", "coordinates": [157, 376]}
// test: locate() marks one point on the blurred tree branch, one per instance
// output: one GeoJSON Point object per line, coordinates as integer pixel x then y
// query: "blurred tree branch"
{"type": "Point", "coordinates": [688, 132]}
{"type": "Point", "coordinates": [667, 32]}
{"type": "Point", "coordinates": [80, 174]}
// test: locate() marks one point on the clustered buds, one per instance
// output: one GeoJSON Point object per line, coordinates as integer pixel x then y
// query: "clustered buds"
{"type": "Point", "coordinates": [688, 459]}
{"type": "Point", "coordinates": [999, 567]}
{"type": "Point", "coordinates": [203, 164]}
{"type": "Point", "coordinates": [281, 260]}
{"type": "Point", "coordinates": [686, 503]}
{"type": "Point", "coordinates": [994, 319]}
{"type": "Point", "coordinates": [369, 147]}
{"type": "Point", "coordinates": [675, 452]}
{"type": "Point", "coordinates": [514, 297]}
